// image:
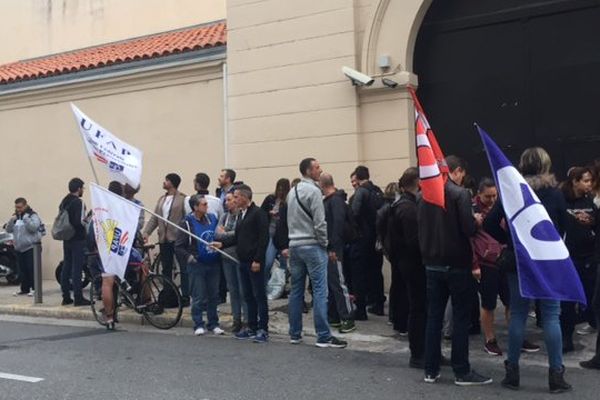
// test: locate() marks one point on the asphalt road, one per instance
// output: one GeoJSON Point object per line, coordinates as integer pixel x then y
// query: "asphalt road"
{"type": "Point", "coordinates": [87, 362]}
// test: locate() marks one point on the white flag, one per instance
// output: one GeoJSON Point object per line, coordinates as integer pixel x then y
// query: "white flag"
{"type": "Point", "coordinates": [115, 223]}
{"type": "Point", "coordinates": [123, 161]}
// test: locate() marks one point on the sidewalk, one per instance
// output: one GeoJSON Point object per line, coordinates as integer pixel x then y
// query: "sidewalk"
{"type": "Point", "coordinates": [373, 335]}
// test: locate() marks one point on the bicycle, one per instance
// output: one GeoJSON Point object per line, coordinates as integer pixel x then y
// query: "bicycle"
{"type": "Point", "coordinates": [155, 263]}
{"type": "Point", "coordinates": [153, 298]}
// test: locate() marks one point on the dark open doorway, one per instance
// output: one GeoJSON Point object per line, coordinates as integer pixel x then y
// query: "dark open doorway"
{"type": "Point", "coordinates": [527, 71]}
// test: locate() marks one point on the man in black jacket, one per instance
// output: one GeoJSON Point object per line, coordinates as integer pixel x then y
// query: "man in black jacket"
{"type": "Point", "coordinates": [367, 262]}
{"type": "Point", "coordinates": [446, 250]}
{"type": "Point", "coordinates": [402, 247]}
{"type": "Point", "coordinates": [336, 210]}
{"type": "Point", "coordinates": [251, 238]}
{"type": "Point", "coordinates": [74, 248]}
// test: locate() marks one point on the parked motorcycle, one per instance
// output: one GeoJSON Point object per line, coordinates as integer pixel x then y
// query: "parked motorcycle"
{"type": "Point", "coordinates": [8, 259]}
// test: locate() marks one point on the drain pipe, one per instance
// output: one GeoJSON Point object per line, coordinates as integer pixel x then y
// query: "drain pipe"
{"type": "Point", "coordinates": [225, 117]}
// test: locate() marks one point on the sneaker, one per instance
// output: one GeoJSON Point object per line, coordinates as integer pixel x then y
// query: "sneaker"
{"type": "Point", "coordinates": [594, 363]}
{"type": "Point", "coordinates": [30, 294]}
{"type": "Point", "coordinates": [347, 326]}
{"type": "Point", "coordinates": [261, 336]}
{"type": "Point", "coordinates": [472, 379]}
{"type": "Point", "coordinates": [295, 340]}
{"type": "Point", "coordinates": [81, 302]}
{"type": "Point", "coordinates": [199, 331]}
{"type": "Point", "coordinates": [66, 301]}
{"type": "Point", "coordinates": [360, 314]}
{"type": "Point", "coordinates": [491, 347]}
{"type": "Point", "coordinates": [529, 347]}
{"type": "Point", "coordinates": [19, 293]}
{"type": "Point", "coordinates": [335, 324]}
{"type": "Point", "coordinates": [332, 342]}
{"type": "Point", "coordinates": [218, 331]}
{"type": "Point", "coordinates": [245, 334]}
{"type": "Point", "coordinates": [376, 310]}
{"type": "Point", "coordinates": [431, 378]}
{"type": "Point", "coordinates": [402, 333]}
{"type": "Point", "coordinates": [586, 330]}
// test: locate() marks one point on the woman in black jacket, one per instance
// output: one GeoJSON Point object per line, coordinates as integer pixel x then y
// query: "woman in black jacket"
{"type": "Point", "coordinates": [275, 205]}
{"type": "Point", "coordinates": [580, 237]}
{"type": "Point", "coordinates": [535, 167]}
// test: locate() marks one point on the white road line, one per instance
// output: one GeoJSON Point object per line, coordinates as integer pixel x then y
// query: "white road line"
{"type": "Point", "coordinates": [21, 378]}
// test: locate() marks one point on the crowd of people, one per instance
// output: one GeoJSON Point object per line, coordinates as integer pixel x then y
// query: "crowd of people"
{"type": "Point", "coordinates": [443, 286]}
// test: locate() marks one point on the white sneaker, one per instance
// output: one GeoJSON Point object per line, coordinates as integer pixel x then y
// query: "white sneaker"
{"type": "Point", "coordinates": [218, 331]}
{"type": "Point", "coordinates": [586, 330]}
{"type": "Point", "coordinates": [199, 331]}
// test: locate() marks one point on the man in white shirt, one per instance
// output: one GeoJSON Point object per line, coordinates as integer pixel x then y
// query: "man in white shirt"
{"type": "Point", "coordinates": [201, 183]}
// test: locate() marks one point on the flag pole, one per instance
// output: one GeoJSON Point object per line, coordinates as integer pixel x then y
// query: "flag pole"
{"type": "Point", "coordinates": [187, 233]}
{"type": "Point", "coordinates": [89, 159]}
{"type": "Point", "coordinates": [173, 225]}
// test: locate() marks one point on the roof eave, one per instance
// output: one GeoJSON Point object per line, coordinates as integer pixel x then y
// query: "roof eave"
{"type": "Point", "coordinates": [116, 70]}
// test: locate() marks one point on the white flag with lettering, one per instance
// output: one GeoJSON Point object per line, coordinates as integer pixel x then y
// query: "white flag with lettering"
{"type": "Point", "coordinates": [115, 223]}
{"type": "Point", "coordinates": [123, 161]}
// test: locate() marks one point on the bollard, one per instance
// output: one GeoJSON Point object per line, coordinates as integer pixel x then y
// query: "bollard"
{"type": "Point", "coordinates": [37, 273]}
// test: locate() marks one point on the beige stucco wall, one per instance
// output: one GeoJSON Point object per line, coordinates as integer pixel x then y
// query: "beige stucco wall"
{"type": "Point", "coordinates": [174, 115]}
{"type": "Point", "coordinates": [288, 98]}
{"type": "Point", "coordinates": [40, 27]}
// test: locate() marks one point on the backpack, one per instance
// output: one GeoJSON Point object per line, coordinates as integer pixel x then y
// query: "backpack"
{"type": "Point", "coordinates": [168, 297]}
{"type": "Point", "coordinates": [62, 228]}
{"type": "Point", "coordinates": [486, 249]}
{"type": "Point", "coordinates": [376, 199]}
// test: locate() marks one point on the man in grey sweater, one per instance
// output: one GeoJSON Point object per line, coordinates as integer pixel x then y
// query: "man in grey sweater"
{"type": "Point", "coordinates": [308, 254]}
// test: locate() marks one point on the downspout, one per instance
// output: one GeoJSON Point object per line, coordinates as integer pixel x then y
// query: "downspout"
{"type": "Point", "coordinates": [225, 118]}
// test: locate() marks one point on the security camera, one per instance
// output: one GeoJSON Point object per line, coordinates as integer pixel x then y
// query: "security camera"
{"type": "Point", "coordinates": [357, 78]}
{"type": "Point", "coordinates": [389, 83]}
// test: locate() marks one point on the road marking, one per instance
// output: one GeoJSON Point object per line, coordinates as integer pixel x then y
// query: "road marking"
{"type": "Point", "coordinates": [21, 378]}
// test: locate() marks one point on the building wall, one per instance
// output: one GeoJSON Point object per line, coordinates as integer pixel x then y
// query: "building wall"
{"type": "Point", "coordinates": [175, 116]}
{"type": "Point", "coordinates": [53, 26]}
{"type": "Point", "coordinates": [288, 98]}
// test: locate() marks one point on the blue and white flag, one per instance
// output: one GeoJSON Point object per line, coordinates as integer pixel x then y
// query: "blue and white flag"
{"type": "Point", "coordinates": [115, 224]}
{"type": "Point", "coordinates": [123, 161]}
{"type": "Point", "coordinates": [543, 263]}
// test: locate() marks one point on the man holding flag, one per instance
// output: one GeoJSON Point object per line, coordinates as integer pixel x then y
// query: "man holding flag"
{"type": "Point", "coordinates": [446, 222]}
{"type": "Point", "coordinates": [534, 211]}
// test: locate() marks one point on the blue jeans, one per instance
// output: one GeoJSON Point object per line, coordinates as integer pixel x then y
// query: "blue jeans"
{"type": "Point", "coordinates": [74, 257]}
{"type": "Point", "coordinates": [253, 288]}
{"type": "Point", "coordinates": [456, 283]}
{"type": "Point", "coordinates": [270, 257]}
{"type": "Point", "coordinates": [204, 290]}
{"type": "Point", "coordinates": [519, 308]}
{"type": "Point", "coordinates": [234, 285]}
{"type": "Point", "coordinates": [311, 260]}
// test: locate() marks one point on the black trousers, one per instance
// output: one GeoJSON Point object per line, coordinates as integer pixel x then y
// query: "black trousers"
{"type": "Point", "coordinates": [367, 274]}
{"type": "Point", "coordinates": [167, 257]}
{"type": "Point", "coordinates": [25, 262]}
{"type": "Point", "coordinates": [399, 303]}
{"type": "Point", "coordinates": [415, 281]}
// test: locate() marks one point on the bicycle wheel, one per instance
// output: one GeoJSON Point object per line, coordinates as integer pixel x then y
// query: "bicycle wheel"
{"type": "Point", "coordinates": [96, 300]}
{"type": "Point", "coordinates": [160, 302]}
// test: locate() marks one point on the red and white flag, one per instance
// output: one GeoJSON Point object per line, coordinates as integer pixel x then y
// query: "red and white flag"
{"type": "Point", "coordinates": [433, 169]}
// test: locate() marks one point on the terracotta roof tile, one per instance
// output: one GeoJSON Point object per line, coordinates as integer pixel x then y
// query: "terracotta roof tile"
{"type": "Point", "coordinates": [144, 48]}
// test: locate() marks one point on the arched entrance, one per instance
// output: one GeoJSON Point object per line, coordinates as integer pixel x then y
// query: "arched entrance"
{"type": "Point", "coordinates": [529, 74]}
